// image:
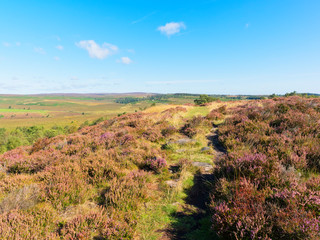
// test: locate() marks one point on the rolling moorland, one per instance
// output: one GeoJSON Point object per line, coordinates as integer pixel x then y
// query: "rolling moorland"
{"type": "Point", "coordinates": [160, 168]}
{"type": "Point", "coordinates": [24, 119]}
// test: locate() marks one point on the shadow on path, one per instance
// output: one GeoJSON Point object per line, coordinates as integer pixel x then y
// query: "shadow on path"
{"type": "Point", "coordinates": [193, 220]}
{"type": "Point", "coordinates": [215, 143]}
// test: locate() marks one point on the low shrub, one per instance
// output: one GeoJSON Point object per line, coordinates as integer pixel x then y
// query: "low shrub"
{"type": "Point", "coordinates": [155, 164]}
{"type": "Point", "coordinates": [259, 191]}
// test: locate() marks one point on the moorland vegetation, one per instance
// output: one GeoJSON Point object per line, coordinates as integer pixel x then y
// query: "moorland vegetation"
{"type": "Point", "coordinates": [136, 176]}
{"type": "Point", "coordinates": [267, 186]}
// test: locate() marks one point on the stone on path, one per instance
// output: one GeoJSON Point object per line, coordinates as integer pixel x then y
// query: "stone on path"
{"type": "Point", "coordinates": [205, 166]}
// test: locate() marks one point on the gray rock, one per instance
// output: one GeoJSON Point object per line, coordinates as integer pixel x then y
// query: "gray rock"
{"type": "Point", "coordinates": [180, 150]}
{"type": "Point", "coordinates": [204, 166]}
{"type": "Point", "coordinates": [172, 183]}
{"type": "Point", "coordinates": [183, 141]}
{"type": "Point", "coordinates": [204, 149]}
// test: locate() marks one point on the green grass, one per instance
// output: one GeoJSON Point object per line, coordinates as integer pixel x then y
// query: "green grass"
{"type": "Point", "coordinates": [14, 110]}
{"type": "Point", "coordinates": [165, 213]}
{"type": "Point", "coordinates": [195, 111]}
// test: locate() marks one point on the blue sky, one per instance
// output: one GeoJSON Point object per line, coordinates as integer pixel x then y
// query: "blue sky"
{"type": "Point", "coordinates": [203, 46]}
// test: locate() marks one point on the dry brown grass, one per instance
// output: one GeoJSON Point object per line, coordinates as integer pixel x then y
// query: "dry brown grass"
{"type": "Point", "coordinates": [23, 198]}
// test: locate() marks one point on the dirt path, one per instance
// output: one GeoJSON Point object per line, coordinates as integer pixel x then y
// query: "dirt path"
{"type": "Point", "coordinates": [193, 220]}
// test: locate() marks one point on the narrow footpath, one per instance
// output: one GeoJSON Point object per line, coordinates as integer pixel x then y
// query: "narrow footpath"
{"type": "Point", "coordinates": [193, 221]}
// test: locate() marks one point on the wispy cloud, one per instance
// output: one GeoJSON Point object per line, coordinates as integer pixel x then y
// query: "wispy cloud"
{"type": "Point", "coordinates": [179, 82]}
{"type": "Point", "coordinates": [172, 28]}
{"type": "Point", "coordinates": [59, 47]}
{"type": "Point", "coordinates": [56, 58]}
{"type": "Point", "coordinates": [39, 50]}
{"type": "Point", "coordinates": [6, 44]}
{"type": "Point", "coordinates": [247, 25]}
{"type": "Point", "coordinates": [125, 60]}
{"type": "Point", "coordinates": [143, 18]}
{"type": "Point", "coordinates": [97, 51]}
{"type": "Point", "coordinates": [74, 78]}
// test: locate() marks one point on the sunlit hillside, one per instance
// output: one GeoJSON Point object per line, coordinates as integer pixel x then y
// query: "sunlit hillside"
{"type": "Point", "coordinates": [229, 170]}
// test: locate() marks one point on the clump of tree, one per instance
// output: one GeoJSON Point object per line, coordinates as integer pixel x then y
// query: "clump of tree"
{"type": "Point", "coordinates": [23, 136]}
{"type": "Point", "coordinates": [204, 99]}
{"type": "Point", "coordinates": [127, 100]}
{"type": "Point", "coordinates": [157, 98]}
{"type": "Point", "coordinates": [294, 93]}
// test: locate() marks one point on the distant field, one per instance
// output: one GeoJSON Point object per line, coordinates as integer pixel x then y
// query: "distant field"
{"type": "Point", "coordinates": [51, 110]}
{"type": "Point", "coordinates": [21, 111]}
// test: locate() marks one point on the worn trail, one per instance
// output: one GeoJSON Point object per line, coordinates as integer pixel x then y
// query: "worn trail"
{"type": "Point", "coordinates": [193, 221]}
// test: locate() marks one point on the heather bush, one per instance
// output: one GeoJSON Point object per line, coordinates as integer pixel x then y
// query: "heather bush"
{"type": "Point", "coordinates": [65, 185]}
{"type": "Point", "coordinates": [191, 127]}
{"type": "Point", "coordinates": [170, 130]}
{"type": "Point", "coordinates": [128, 192]}
{"type": "Point", "coordinates": [259, 191]}
{"type": "Point", "coordinates": [255, 167]}
{"type": "Point", "coordinates": [99, 164]}
{"type": "Point", "coordinates": [94, 225]}
{"type": "Point", "coordinates": [217, 114]}
{"type": "Point", "coordinates": [34, 224]}
{"type": "Point", "coordinates": [155, 164]}
{"type": "Point", "coordinates": [214, 115]}
{"type": "Point", "coordinates": [152, 134]}
{"type": "Point", "coordinates": [243, 216]}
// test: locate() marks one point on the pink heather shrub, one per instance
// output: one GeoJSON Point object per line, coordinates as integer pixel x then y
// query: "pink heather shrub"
{"type": "Point", "coordinates": [243, 216]}
{"type": "Point", "coordinates": [191, 128]}
{"type": "Point", "coordinates": [94, 225]}
{"type": "Point", "coordinates": [155, 164]}
{"type": "Point", "coordinates": [259, 191]}
{"type": "Point", "coordinates": [127, 193]}
{"type": "Point", "coordinates": [35, 224]}
{"type": "Point", "coordinates": [65, 185]}
{"type": "Point", "coordinates": [152, 134]}
{"type": "Point", "coordinates": [217, 114]}
{"type": "Point", "coordinates": [98, 164]}
{"type": "Point", "coordinates": [167, 131]}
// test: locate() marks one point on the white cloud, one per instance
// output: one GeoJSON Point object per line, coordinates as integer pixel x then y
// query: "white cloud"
{"type": "Point", "coordinates": [179, 82]}
{"type": "Point", "coordinates": [97, 51]}
{"type": "Point", "coordinates": [6, 44]}
{"type": "Point", "coordinates": [171, 28]}
{"type": "Point", "coordinates": [126, 60]}
{"type": "Point", "coordinates": [56, 58]}
{"type": "Point", "coordinates": [59, 47]}
{"type": "Point", "coordinates": [39, 50]}
{"type": "Point", "coordinates": [73, 78]}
